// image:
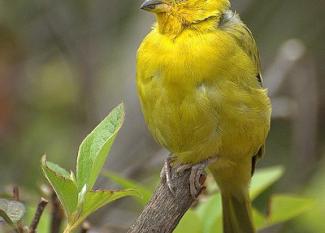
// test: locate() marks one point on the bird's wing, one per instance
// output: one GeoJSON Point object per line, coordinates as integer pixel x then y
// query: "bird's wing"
{"type": "Point", "coordinates": [232, 24]}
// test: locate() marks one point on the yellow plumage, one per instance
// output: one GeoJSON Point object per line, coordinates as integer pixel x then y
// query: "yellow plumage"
{"type": "Point", "coordinates": [198, 78]}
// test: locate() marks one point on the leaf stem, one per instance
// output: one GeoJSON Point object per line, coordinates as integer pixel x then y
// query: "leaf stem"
{"type": "Point", "coordinates": [70, 228]}
{"type": "Point", "coordinates": [67, 229]}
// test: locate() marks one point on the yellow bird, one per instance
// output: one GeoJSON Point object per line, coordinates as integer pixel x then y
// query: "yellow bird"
{"type": "Point", "coordinates": [201, 93]}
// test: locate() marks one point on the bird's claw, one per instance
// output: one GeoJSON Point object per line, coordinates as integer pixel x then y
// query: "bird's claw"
{"type": "Point", "coordinates": [197, 171]}
{"type": "Point", "coordinates": [166, 175]}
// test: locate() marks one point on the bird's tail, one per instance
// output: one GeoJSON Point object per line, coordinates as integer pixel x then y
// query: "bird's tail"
{"type": "Point", "coordinates": [233, 182]}
{"type": "Point", "coordinates": [237, 216]}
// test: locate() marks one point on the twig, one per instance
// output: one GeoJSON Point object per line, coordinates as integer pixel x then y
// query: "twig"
{"type": "Point", "coordinates": [15, 193]}
{"type": "Point", "coordinates": [164, 211]}
{"type": "Point", "coordinates": [39, 211]}
{"type": "Point", "coordinates": [16, 196]}
{"type": "Point", "coordinates": [85, 227]}
{"type": "Point", "coordinates": [57, 215]}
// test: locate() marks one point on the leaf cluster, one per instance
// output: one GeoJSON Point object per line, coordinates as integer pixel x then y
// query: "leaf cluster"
{"type": "Point", "coordinates": [75, 192]}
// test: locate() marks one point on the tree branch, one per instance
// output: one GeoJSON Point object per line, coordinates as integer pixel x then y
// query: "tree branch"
{"type": "Point", "coordinates": [16, 196]}
{"type": "Point", "coordinates": [164, 211]}
{"type": "Point", "coordinates": [57, 215]}
{"type": "Point", "coordinates": [39, 211]}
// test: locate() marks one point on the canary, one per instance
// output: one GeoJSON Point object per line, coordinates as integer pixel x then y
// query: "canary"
{"type": "Point", "coordinates": [201, 93]}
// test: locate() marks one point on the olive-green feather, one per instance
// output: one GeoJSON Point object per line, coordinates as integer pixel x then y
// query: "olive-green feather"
{"type": "Point", "coordinates": [232, 24]}
{"type": "Point", "coordinates": [236, 214]}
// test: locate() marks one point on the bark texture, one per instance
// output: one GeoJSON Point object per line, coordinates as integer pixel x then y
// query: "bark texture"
{"type": "Point", "coordinates": [164, 211]}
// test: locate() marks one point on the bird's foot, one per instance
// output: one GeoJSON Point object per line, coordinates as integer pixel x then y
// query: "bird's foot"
{"type": "Point", "coordinates": [197, 176]}
{"type": "Point", "coordinates": [166, 174]}
{"type": "Point", "coordinates": [197, 172]}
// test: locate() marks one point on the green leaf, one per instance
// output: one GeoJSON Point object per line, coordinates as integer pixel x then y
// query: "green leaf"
{"type": "Point", "coordinates": [59, 170]}
{"type": "Point", "coordinates": [11, 211]}
{"type": "Point", "coordinates": [190, 223]}
{"type": "Point", "coordinates": [210, 212]}
{"type": "Point", "coordinates": [313, 220]}
{"type": "Point", "coordinates": [97, 199]}
{"type": "Point", "coordinates": [285, 207]}
{"type": "Point", "coordinates": [258, 219]}
{"type": "Point", "coordinates": [263, 179]}
{"type": "Point", "coordinates": [94, 149]}
{"type": "Point", "coordinates": [81, 196]}
{"type": "Point", "coordinates": [64, 187]}
{"type": "Point", "coordinates": [129, 184]}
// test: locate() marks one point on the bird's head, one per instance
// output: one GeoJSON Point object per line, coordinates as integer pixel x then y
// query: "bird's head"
{"type": "Point", "coordinates": [186, 11]}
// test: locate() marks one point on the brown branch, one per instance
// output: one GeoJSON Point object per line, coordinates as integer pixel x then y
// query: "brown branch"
{"type": "Point", "coordinates": [15, 193]}
{"type": "Point", "coordinates": [38, 214]}
{"type": "Point", "coordinates": [57, 215]}
{"type": "Point", "coordinates": [164, 211]}
{"type": "Point", "coordinates": [16, 196]}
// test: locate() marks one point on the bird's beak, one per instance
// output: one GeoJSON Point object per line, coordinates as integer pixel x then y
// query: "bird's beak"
{"type": "Point", "coordinates": [155, 6]}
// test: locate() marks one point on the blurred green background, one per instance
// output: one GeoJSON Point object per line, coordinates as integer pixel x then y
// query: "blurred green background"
{"type": "Point", "coordinates": [65, 64]}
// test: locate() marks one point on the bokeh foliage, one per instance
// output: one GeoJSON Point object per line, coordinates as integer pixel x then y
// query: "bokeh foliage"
{"type": "Point", "coordinates": [63, 64]}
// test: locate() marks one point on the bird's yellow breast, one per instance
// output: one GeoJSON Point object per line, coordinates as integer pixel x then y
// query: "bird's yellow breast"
{"type": "Point", "coordinates": [199, 95]}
